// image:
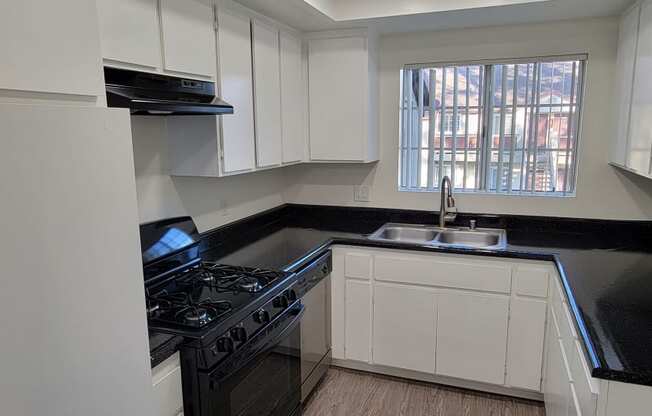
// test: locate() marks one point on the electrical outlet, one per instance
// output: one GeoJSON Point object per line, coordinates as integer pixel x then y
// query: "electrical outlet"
{"type": "Point", "coordinates": [361, 193]}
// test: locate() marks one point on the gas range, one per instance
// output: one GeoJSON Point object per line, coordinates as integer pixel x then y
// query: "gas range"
{"type": "Point", "coordinates": [200, 299]}
{"type": "Point", "coordinates": [207, 293]}
{"type": "Point", "coordinates": [241, 348]}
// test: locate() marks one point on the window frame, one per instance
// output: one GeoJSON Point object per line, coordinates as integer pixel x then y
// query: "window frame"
{"type": "Point", "coordinates": [485, 116]}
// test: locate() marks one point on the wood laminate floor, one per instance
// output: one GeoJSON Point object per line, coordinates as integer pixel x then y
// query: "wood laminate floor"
{"type": "Point", "coordinates": [351, 393]}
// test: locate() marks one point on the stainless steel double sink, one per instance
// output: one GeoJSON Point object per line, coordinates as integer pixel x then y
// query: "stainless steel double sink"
{"type": "Point", "coordinates": [487, 238]}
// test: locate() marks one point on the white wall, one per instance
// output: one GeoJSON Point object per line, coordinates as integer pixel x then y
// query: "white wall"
{"type": "Point", "coordinates": [602, 191]}
{"type": "Point", "coordinates": [210, 201]}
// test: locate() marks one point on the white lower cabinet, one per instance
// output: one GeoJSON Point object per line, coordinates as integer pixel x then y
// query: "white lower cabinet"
{"type": "Point", "coordinates": [166, 382]}
{"type": "Point", "coordinates": [404, 327]}
{"type": "Point", "coordinates": [472, 336]}
{"type": "Point", "coordinates": [357, 332]}
{"type": "Point", "coordinates": [466, 320]}
{"type": "Point", "coordinates": [527, 327]}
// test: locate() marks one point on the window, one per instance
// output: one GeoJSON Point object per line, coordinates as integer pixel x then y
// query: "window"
{"type": "Point", "coordinates": [500, 127]}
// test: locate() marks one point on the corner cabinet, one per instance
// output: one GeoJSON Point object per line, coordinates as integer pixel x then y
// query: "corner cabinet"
{"type": "Point", "coordinates": [632, 137]}
{"type": "Point", "coordinates": [469, 321]}
{"type": "Point", "coordinates": [343, 97]}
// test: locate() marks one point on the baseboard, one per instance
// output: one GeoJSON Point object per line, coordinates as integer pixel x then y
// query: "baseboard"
{"type": "Point", "coordinates": [436, 379]}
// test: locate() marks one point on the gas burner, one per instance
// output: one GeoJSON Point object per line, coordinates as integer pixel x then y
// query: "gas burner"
{"type": "Point", "coordinates": [250, 284]}
{"type": "Point", "coordinates": [195, 315]}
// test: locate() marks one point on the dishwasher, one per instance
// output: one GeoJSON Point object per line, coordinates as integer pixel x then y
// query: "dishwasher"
{"type": "Point", "coordinates": [313, 286]}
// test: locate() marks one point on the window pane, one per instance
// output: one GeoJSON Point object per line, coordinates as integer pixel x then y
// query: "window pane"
{"type": "Point", "coordinates": [523, 140]}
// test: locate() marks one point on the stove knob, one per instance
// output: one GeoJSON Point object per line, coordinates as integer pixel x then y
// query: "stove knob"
{"type": "Point", "coordinates": [292, 295]}
{"type": "Point", "coordinates": [281, 302]}
{"type": "Point", "coordinates": [239, 334]}
{"type": "Point", "coordinates": [261, 316]}
{"type": "Point", "coordinates": [225, 344]}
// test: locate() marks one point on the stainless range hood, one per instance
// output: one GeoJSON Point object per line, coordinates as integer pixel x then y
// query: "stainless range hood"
{"type": "Point", "coordinates": [153, 94]}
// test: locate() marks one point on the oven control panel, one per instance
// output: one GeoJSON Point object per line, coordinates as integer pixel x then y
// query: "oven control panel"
{"type": "Point", "coordinates": [239, 334]}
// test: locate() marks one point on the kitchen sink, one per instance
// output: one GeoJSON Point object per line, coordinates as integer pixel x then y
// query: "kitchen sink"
{"type": "Point", "coordinates": [406, 233]}
{"type": "Point", "coordinates": [481, 238]}
{"type": "Point", "coordinates": [436, 236]}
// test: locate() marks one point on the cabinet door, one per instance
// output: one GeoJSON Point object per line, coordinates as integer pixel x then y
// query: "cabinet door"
{"type": "Point", "coordinates": [188, 37]}
{"type": "Point", "coordinates": [293, 99]}
{"type": "Point", "coordinates": [357, 325]}
{"type": "Point", "coordinates": [237, 89]}
{"type": "Point", "coordinates": [627, 40]}
{"type": "Point", "coordinates": [129, 31]}
{"type": "Point", "coordinates": [267, 92]}
{"type": "Point", "coordinates": [640, 132]}
{"type": "Point", "coordinates": [472, 336]}
{"type": "Point", "coordinates": [557, 385]}
{"type": "Point", "coordinates": [51, 47]}
{"type": "Point", "coordinates": [527, 324]}
{"type": "Point", "coordinates": [338, 84]}
{"type": "Point", "coordinates": [404, 327]}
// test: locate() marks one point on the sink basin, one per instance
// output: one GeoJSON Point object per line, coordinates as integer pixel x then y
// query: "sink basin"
{"type": "Point", "coordinates": [481, 238]}
{"type": "Point", "coordinates": [406, 233]}
{"type": "Point", "coordinates": [435, 236]}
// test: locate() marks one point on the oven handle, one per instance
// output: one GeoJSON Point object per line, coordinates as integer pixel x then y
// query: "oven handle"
{"type": "Point", "coordinates": [297, 311]}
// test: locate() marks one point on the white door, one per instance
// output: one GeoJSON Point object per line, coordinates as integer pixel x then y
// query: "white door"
{"type": "Point", "coordinates": [234, 51]}
{"type": "Point", "coordinates": [69, 204]}
{"type": "Point", "coordinates": [627, 39]}
{"type": "Point", "coordinates": [404, 327]}
{"type": "Point", "coordinates": [472, 336]}
{"type": "Point", "coordinates": [129, 31]}
{"type": "Point", "coordinates": [640, 140]}
{"type": "Point", "coordinates": [293, 99]}
{"type": "Point", "coordinates": [188, 37]}
{"type": "Point", "coordinates": [50, 46]}
{"type": "Point", "coordinates": [357, 321]}
{"type": "Point", "coordinates": [527, 326]}
{"type": "Point", "coordinates": [338, 80]}
{"type": "Point", "coordinates": [267, 92]}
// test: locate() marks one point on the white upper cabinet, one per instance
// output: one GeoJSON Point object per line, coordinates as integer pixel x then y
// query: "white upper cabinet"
{"type": "Point", "coordinates": [640, 137]}
{"type": "Point", "coordinates": [627, 39]}
{"type": "Point", "coordinates": [129, 32]}
{"type": "Point", "coordinates": [176, 37]}
{"type": "Point", "coordinates": [51, 47]}
{"type": "Point", "coordinates": [293, 99]}
{"type": "Point", "coordinates": [267, 92]}
{"type": "Point", "coordinates": [343, 99]}
{"type": "Point", "coordinates": [188, 37]}
{"type": "Point", "coordinates": [236, 82]}
{"type": "Point", "coordinates": [632, 137]}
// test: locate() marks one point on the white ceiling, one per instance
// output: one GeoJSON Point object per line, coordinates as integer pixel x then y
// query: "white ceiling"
{"type": "Point", "coordinates": [392, 16]}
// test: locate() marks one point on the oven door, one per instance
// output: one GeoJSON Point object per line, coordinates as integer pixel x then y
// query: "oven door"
{"type": "Point", "coordinates": [263, 380]}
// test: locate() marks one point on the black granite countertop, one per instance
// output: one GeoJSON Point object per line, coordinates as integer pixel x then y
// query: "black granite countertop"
{"type": "Point", "coordinates": [606, 266]}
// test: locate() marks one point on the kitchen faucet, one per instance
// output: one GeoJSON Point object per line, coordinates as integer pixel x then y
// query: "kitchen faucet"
{"type": "Point", "coordinates": [447, 210]}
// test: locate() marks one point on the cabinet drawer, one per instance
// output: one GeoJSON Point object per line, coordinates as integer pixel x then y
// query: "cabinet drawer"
{"type": "Point", "coordinates": [357, 265]}
{"type": "Point", "coordinates": [444, 271]}
{"type": "Point", "coordinates": [531, 281]}
{"type": "Point", "coordinates": [585, 388]}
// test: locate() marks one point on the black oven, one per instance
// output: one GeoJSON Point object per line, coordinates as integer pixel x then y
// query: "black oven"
{"type": "Point", "coordinates": [262, 377]}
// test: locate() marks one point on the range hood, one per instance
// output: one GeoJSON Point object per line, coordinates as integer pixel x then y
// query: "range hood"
{"type": "Point", "coordinates": [153, 94]}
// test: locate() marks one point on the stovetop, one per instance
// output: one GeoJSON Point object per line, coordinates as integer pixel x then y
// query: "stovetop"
{"type": "Point", "coordinates": [206, 294]}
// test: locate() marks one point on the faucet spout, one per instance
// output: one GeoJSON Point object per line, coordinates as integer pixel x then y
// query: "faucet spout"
{"type": "Point", "coordinates": [447, 202]}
